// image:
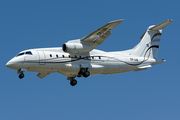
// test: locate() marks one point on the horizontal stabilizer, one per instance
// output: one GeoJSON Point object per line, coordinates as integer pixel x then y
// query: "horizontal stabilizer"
{"type": "Point", "coordinates": [142, 67]}
{"type": "Point", "coordinates": [161, 25]}
{"type": "Point", "coordinates": [158, 62]}
{"type": "Point", "coordinates": [145, 66]}
{"type": "Point", "coordinates": [138, 69]}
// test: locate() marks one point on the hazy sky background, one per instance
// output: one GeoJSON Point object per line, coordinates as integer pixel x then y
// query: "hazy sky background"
{"type": "Point", "coordinates": [152, 94]}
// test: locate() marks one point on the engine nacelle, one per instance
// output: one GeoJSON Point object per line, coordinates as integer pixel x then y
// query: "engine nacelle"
{"type": "Point", "coordinates": [75, 48]}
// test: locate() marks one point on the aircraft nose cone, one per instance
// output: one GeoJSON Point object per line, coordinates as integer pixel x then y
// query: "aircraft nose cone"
{"type": "Point", "coordinates": [9, 64]}
{"type": "Point", "coordinates": [14, 63]}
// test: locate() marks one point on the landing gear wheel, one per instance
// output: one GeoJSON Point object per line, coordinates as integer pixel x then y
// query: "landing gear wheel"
{"type": "Point", "coordinates": [86, 74]}
{"type": "Point", "coordinates": [21, 76]}
{"type": "Point", "coordinates": [83, 73]}
{"type": "Point", "coordinates": [73, 82]}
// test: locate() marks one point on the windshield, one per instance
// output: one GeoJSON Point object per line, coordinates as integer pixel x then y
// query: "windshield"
{"type": "Point", "coordinates": [27, 53]}
{"type": "Point", "coordinates": [20, 54]}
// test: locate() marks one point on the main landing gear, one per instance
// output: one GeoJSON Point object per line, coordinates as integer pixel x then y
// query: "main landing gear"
{"type": "Point", "coordinates": [82, 73]}
{"type": "Point", "coordinates": [73, 82]}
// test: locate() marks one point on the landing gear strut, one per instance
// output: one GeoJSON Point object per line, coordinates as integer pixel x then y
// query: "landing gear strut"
{"type": "Point", "coordinates": [73, 82]}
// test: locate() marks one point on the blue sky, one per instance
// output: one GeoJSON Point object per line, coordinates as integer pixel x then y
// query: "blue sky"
{"type": "Point", "coordinates": [152, 94]}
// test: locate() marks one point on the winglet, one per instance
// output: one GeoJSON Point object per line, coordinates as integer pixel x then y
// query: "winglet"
{"type": "Point", "coordinates": [161, 25]}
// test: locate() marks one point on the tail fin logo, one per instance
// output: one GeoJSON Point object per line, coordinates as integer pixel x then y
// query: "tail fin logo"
{"type": "Point", "coordinates": [155, 36]}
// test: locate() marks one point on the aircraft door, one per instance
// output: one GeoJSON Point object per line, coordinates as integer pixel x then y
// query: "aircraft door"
{"type": "Point", "coordinates": [42, 58]}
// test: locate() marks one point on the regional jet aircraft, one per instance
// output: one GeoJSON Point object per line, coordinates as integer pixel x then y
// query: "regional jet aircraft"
{"type": "Point", "coordinates": [79, 58]}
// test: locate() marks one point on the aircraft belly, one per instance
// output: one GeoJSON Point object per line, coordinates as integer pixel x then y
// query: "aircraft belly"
{"type": "Point", "coordinates": [113, 68]}
{"type": "Point", "coordinates": [70, 68]}
{"type": "Point", "coordinates": [107, 68]}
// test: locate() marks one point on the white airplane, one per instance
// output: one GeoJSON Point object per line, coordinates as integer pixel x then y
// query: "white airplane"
{"type": "Point", "coordinates": [78, 58]}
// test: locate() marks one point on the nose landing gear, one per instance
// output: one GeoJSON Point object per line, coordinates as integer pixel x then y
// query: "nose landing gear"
{"type": "Point", "coordinates": [21, 74]}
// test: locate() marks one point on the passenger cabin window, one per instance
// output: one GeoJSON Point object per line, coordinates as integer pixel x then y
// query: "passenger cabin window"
{"type": "Point", "coordinates": [63, 56]}
{"type": "Point", "coordinates": [50, 55]}
{"type": "Point", "coordinates": [57, 56]}
{"type": "Point", "coordinates": [99, 57]}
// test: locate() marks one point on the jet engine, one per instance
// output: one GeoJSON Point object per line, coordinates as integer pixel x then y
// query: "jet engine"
{"type": "Point", "coordinates": [75, 48]}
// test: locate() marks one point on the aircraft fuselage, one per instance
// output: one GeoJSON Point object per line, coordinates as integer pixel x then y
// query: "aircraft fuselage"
{"type": "Point", "coordinates": [55, 60]}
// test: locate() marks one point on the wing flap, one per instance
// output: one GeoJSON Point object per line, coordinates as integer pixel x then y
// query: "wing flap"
{"type": "Point", "coordinates": [42, 75]}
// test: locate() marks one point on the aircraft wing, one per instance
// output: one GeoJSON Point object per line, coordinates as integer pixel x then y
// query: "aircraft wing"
{"type": "Point", "coordinates": [99, 35]}
{"type": "Point", "coordinates": [90, 41]}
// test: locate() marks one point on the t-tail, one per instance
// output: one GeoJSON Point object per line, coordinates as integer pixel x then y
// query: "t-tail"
{"type": "Point", "coordinates": [148, 47]}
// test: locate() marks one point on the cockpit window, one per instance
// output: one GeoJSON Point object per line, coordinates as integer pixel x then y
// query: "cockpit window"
{"type": "Point", "coordinates": [29, 53]}
{"type": "Point", "coordinates": [20, 54]}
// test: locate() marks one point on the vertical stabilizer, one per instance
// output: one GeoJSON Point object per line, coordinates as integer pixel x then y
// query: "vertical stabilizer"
{"type": "Point", "coordinates": [148, 47]}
